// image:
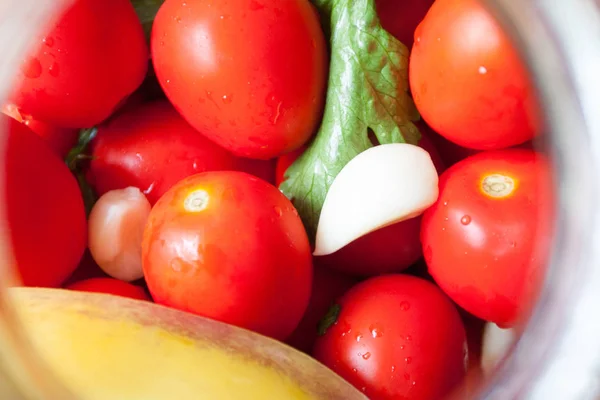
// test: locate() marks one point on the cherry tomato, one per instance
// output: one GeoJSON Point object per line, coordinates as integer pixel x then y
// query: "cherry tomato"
{"type": "Point", "coordinates": [44, 209]}
{"type": "Point", "coordinates": [110, 286]}
{"type": "Point", "coordinates": [396, 337]}
{"type": "Point", "coordinates": [61, 140]}
{"type": "Point", "coordinates": [486, 240]}
{"type": "Point", "coordinates": [253, 79]}
{"type": "Point", "coordinates": [468, 81]}
{"type": "Point", "coordinates": [328, 286]}
{"type": "Point", "coordinates": [401, 17]}
{"type": "Point", "coordinates": [231, 247]}
{"type": "Point", "coordinates": [81, 70]}
{"type": "Point", "coordinates": [390, 249]}
{"type": "Point", "coordinates": [151, 147]}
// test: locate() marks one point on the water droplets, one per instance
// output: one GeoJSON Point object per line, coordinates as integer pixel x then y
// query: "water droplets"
{"type": "Point", "coordinates": [405, 306]}
{"type": "Point", "coordinates": [54, 70]}
{"type": "Point", "coordinates": [482, 70]}
{"type": "Point", "coordinates": [445, 203]}
{"type": "Point", "coordinates": [465, 220]}
{"type": "Point", "coordinates": [376, 332]}
{"type": "Point", "coordinates": [275, 105]}
{"type": "Point", "coordinates": [32, 69]}
{"type": "Point", "coordinates": [393, 368]}
{"type": "Point", "coordinates": [227, 98]}
{"type": "Point", "coordinates": [358, 338]}
{"type": "Point", "coordinates": [366, 356]}
{"type": "Point", "coordinates": [48, 41]}
{"type": "Point", "coordinates": [278, 211]}
{"type": "Point", "coordinates": [408, 360]}
{"type": "Point", "coordinates": [178, 20]}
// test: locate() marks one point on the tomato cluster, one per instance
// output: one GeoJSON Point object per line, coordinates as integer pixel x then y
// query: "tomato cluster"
{"type": "Point", "coordinates": [242, 92]}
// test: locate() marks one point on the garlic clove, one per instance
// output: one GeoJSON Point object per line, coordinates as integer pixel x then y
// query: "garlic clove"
{"type": "Point", "coordinates": [115, 228]}
{"type": "Point", "coordinates": [495, 346]}
{"type": "Point", "coordinates": [381, 186]}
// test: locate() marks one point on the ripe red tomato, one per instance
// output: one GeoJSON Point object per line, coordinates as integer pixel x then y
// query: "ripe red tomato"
{"type": "Point", "coordinates": [328, 286]}
{"type": "Point", "coordinates": [151, 147]}
{"type": "Point", "coordinates": [231, 247]}
{"type": "Point", "coordinates": [390, 249]}
{"type": "Point", "coordinates": [401, 17]}
{"type": "Point", "coordinates": [486, 240]}
{"type": "Point", "coordinates": [61, 140]}
{"type": "Point", "coordinates": [468, 81]}
{"type": "Point", "coordinates": [284, 162]}
{"type": "Point", "coordinates": [110, 286]}
{"type": "Point", "coordinates": [253, 79]}
{"type": "Point", "coordinates": [44, 209]}
{"type": "Point", "coordinates": [396, 337]}
{"type": "Point", "coordinates": [81, 70]}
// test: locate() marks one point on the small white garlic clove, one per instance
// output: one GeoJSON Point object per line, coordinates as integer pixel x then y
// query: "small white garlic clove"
{"type": "Point", "coordinates": [381, 186]}
{"type": "Point", "coordinates": [115, 229]}
{"type": "Point", "coordinates": [495, 346]}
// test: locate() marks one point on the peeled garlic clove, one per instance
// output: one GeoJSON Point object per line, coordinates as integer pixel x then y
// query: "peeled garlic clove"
{"type": "Point", "coordinates": [115, 228]}
{"type": "Point", "coordinates": [496, 344]}
{"type": "Point", "coordinates": [381, 186]}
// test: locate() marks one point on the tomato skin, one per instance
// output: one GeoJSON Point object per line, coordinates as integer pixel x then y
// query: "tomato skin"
{"type": "Point", "coordinates": [284, 162]}
{"type": "Point", "coordinates": [151, 147]}
{"type": "Point", "coordinates": [253, 81]}
{"type": "Point", "coordinates": [396, 337]}
{"type": "Point", "coordinates": [80, 70]}
{"type": "Point", "coordinates": [61, 140]}
{"type": "Point", "coordinates": [44, 209]}
{"type": "Point", "coordinates": [390, 249]}
{"type": "Point", "coordinates": [110, 286]}
{"type": "Point", "coordinates": [489, 254]}
{"type": "Point", "coordinates": [244, 259]}
{"type": "Point", "coordinates": [401, 17]}
{"type": "Point", "coordinates": [467, 79]}
{"type": "Point", "coordinates": [328, 286]}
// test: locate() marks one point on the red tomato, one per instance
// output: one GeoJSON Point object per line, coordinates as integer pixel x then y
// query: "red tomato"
{"type": "Point", "coordinates": [486, 240]}
{"type": "Point", "coordinates": [110, 286]}
{"type": "Point", "coordinates": [231, 247]}
{"type": "Point", "coordinates": [151, 147]}
{"type": "Point", "coordinates": [328, 286]}
{"type": "Point", "coordinates": [44, 209]}
{"type": "Point", "coordinates": [61, 140]}
{"type": "Point", "coordinates": [82, 69]}
{"type": "Point", "coordinates": [401, 17]}
{"type": "Point", "coordinates": [253, 79]}
{"type": "Point", "coordinates": [468, 81]}
{"type": "Point", "coordinates": [396, 337]}
{"type": "Point", "coordinates": [390, 249]}
{"type": "Point", "coordinates": [284, 162]}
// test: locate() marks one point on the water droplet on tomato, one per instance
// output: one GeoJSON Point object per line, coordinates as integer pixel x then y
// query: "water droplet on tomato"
{"type": "Point", "coordinates": [32, 69]}
{"type": "Point", "coordinates": [48, 41]}
{"type": "Point", "coordinates": [513, 244]}
{"type": "Point", "coordinates": [376, 333]}
{"type": "Point", "coordinates": [358, 337]}
{"type": "Point", "coordinates": [366, 356]}
{"type": "Point", "coordinates": [54, 70]}
{"type": "Point", "coordinates": [465, 220]}
{"type": "Point", "coordinates": [178, 20]}
{"type": "Point", "coordinates": [482, 70]}
{"type": "Point", "coordinates": [354, 370]}
{"type": "Point", "coordinates": [363, 389]}
{"type": "Point", "coordinates": [414, 383]}
{"type": "Point", "coordinates": [227, 98]}
{"type": "Point", "coordinates": [408, 360]}
{"type": "Point", "coordinates": [405, 306]}
{"type": "Point", "coordinates": [408, 337]}
{"type": "Point", "coordinates": [393, 368]}
{"type": "Point", "coordinates": [402, 347]}
{"type": "Point", "coordinates": [278, 211]}
{"type": "Point", "coordinates": [445, 203]}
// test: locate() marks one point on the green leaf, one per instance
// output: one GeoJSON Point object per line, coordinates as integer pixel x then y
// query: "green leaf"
{"type": "Point", "coordinates": [146, 11]}
{"type": "Point", "coordinates": [329, 319]}
{"type": "Point", "coordinates": [74, 159]}
{"type": "Point", "coordinates": [367, 90]}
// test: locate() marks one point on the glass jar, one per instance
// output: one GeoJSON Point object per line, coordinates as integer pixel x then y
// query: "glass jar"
{"type": "Point", "coordinates": [558, 355]}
